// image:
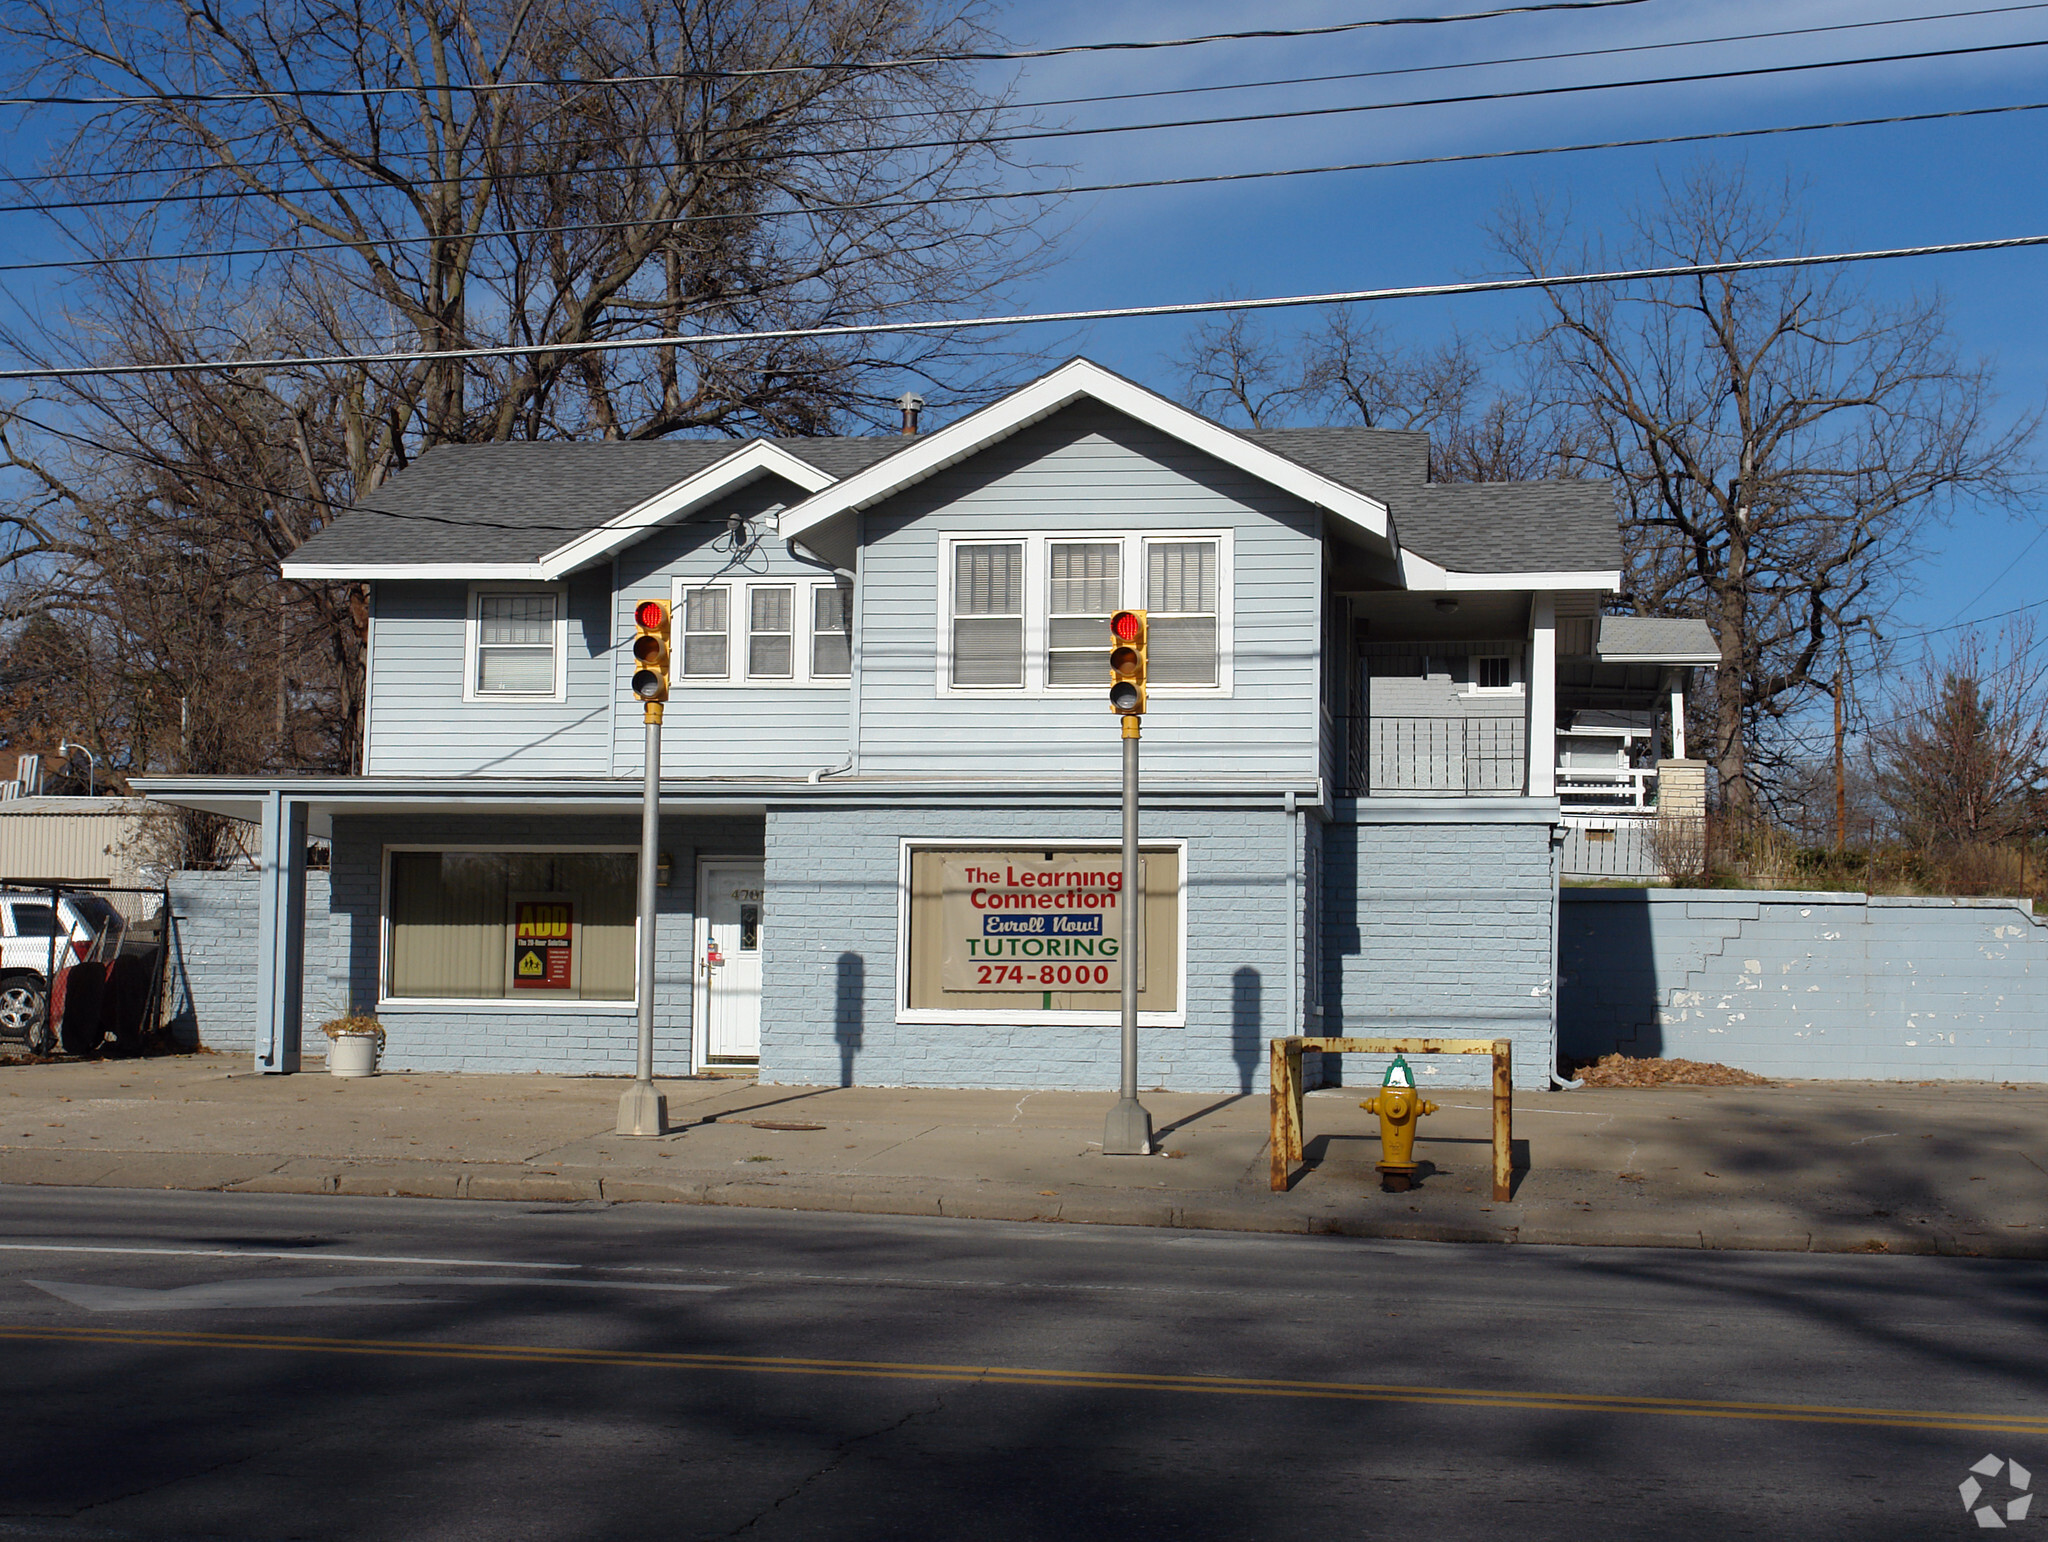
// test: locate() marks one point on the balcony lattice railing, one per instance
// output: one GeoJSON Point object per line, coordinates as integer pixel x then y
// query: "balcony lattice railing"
{"type": "Point", "coordinates": [1453, 757]}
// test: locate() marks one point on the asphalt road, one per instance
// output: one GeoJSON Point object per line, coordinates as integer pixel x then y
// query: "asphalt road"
{"type": "Point", "coordinates": [254, 1367]}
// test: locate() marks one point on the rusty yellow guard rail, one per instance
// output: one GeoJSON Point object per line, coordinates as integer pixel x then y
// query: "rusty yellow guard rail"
{"type": "Point", "coordinates": [1285, 1062]}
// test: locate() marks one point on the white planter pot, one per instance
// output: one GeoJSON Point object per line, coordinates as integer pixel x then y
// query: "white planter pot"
{"type": "Point", "coordinates": [352, 1054]}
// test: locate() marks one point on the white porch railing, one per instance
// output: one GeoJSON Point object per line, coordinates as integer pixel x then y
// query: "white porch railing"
{"type": "Point", "coordinates": [1582, 791]}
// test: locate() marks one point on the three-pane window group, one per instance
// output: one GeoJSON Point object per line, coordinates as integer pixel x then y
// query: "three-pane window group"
{"type": "Point", "coordinates": [1084, 585]}
{"type": "Point", "coordinates": [779, 627]}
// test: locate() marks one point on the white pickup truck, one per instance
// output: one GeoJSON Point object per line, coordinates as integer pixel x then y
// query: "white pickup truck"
{"type": "Point", "coordinates": [41, 937]}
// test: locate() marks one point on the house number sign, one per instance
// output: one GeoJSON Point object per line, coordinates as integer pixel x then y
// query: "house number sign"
{"type": "Point", "coordinates": [543, 941]}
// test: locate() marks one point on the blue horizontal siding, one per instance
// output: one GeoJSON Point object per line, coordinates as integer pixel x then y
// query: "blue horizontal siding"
{"type": "Point", "coordinates": [1091, 469]}
{"type": "Point", "coordinates": [722, 730]}
{"type": "Point", "coordinates": [421, 726]}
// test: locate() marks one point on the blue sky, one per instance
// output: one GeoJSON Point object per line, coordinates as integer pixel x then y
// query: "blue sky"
{"type": "Point", "coordinates": [1865, 188]}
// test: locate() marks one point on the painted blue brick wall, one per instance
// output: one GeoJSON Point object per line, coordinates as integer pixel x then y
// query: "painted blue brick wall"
{"type": "Point", "coordinates": [1440, 924]}
{"type": "Point", "coordinates": [520, 1038]}
{"type": "Point", "coordinates": [210, 983]}
{"type": "Point", "coordinates": [829, 959]}
{"type": "Point", "coordinates": [1807, 985]}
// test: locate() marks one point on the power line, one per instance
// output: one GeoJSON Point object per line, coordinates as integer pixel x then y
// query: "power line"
{"type": "Point", "coordinates": [459, 178]}
{"type": "Point", "coordinates": [913, 62]}
{"type": "Point", "coordinates": [1457, 158]}
{"type": "Point", "coordinates": [131, 259]}
{"type": "Point", "coordinates": [1030, 318]}
{"type": "Point", "coordinates": [572, 144]}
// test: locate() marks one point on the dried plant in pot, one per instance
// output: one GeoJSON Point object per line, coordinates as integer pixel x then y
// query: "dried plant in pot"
{"type": "Point", "coordinates": [357, 1037]}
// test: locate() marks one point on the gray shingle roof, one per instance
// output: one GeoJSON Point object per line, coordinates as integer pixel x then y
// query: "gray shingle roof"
{"type": "Point", "coordinates": [1469, 527]}
{"type": "Point", "coordinates": [1654, 639]}
{"type": "Point", "coordinates": [1375, 461]}
{"type": "Point", "coordinates": [1511, 527]}
{"type": "Point", "coordinates": [517, 502]}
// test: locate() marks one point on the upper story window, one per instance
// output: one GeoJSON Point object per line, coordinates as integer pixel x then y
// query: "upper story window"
{"type": "Point", "coordinates": [517, 644]}
{"type": "Point", "coordinates": [1083, 586]}
{"type": "Point", "coordinates": [831, 632]}
{"type": "Point", "coordinates": [1031, 613]}
{"type": "Point", "coordinates": [1180, 598]}
{"type": "Point", "coordinates": [988, 613]}
{"type": "Point", "coordinates": [770, 632]}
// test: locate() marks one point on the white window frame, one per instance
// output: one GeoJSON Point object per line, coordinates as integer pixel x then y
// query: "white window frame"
{"type": "Point", "coordinates": [739, 613]}
{"type": "Point", "coordinates": [905, 1013]}
{"type": "Point", "coordinates": [486, 1003]}
{"type": "Point", "coordinates": [1516, 681]}
{"type": "Point", "coordinates": [1037, 562]}
{"type": "Point", "coordinates": [472, 658]}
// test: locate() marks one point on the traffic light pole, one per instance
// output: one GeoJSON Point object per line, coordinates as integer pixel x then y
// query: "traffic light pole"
{"type": "Point", "coordinates": [1128, 1131]}
{"type": "Point", "coordinates": [642, 1110]}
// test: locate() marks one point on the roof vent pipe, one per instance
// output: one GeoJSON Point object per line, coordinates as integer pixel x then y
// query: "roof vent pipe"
{"type": "Point", "coordinates": [912, 405]}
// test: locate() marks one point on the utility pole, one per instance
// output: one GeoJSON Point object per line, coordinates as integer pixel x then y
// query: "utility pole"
{"type": "Point", "coordinates": [1841, 780]}
{"type": "Point", "coordinates": [1128, 1130]}
{"type": "Point", "coordinates": [642, 1109]}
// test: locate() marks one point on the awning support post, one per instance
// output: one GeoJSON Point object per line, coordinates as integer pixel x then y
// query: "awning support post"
{"type": "Point", "coordinates": [281, 935]}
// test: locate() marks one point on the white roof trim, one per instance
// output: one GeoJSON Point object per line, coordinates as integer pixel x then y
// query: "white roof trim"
{"type": "Point", "coordinates": [362, 570]}
{"type": "Point", "coordinates": [1419, 573]}
{"type": "Point", "coordinates": [757, 458]}
{"type": "Point", "coordinates": [754, 459]}
{"type": "Point", "coordinates": [1072, 382]}
{"type": "Point", "coordinates": [1673, 656]}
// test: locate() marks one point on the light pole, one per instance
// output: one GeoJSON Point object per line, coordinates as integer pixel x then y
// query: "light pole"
{"type": "Point", "coordinates": [92, 765]}
{"type": "Point", "coordinates": [1128, 1130]}
{"type": "Point", "coordinates": [642, 1108]}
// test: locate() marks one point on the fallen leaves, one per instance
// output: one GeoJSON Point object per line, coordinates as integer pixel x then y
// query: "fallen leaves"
{"type": "Point", "coordinates": [1619, 1070]}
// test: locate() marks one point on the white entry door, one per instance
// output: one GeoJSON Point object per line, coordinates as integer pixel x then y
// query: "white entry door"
{"type": "Point", "coordinates": [729, 934]}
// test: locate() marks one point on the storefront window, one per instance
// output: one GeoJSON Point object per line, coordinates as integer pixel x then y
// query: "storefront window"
{"type": "Point", "coordinates": [1034, 930]}
{"type": "Point", "coordinates": [491, 925]}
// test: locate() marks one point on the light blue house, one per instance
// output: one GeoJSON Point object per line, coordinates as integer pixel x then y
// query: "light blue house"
{"type": "Point", "coordinates": [890, 773]}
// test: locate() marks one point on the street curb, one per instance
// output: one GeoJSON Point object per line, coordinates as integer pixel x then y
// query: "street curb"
{"type": "Point", "coordinates": [986, 1202]}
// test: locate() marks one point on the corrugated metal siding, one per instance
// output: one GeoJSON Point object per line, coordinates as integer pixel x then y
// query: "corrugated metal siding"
{"type": "Point", "coordinates": [424, 727]}
{"type": "Point", "coordinates": [91, 842]}
{"type": "Point", "coordinates": [721, 730]}
{"type": "Point", "coordinates": [1089, 469]}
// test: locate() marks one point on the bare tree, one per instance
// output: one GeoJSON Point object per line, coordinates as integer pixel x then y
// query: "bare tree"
{"type": "Point", "coordinates": [364, 176]}
{"type": "Point", "coordinates": [1775, 438]}
{"type": "Point", "coordinates": [1965, 760]}
{"type": "Point", "coordinates": [1350, 371]}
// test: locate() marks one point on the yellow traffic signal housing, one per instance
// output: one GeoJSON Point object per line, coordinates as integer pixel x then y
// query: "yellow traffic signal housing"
{"type": "Point", "coordinates": [1127, 663]}
{"type": "Point", "coordinates": [650, 654]}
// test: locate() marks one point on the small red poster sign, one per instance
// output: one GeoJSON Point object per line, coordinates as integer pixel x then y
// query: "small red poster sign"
{"type": "Point", "coordinates": [542, 940]}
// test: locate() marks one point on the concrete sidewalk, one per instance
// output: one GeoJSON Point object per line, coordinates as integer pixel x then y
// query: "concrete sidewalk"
{"type": "Point", "coordinates": [1831, 1166]}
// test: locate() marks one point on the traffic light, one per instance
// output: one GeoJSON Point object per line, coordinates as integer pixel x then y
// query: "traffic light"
{"type": "Point", "coordinates": [1127, 663]}
{"type": "Point", "coordinates": [650, 654]}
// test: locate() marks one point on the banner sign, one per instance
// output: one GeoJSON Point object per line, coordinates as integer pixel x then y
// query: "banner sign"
{"type": "Point", "coordinates": [1033, 926]}
{"type": "Point", "coordinates": [542, 943]}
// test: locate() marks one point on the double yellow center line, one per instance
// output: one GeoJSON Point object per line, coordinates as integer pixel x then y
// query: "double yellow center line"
{"type": "Point", "coordinates": [1028, 1376]}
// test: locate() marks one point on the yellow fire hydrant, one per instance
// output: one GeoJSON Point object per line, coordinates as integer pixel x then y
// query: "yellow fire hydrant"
{"type": "Point", "coordinates": [1399, 1105]}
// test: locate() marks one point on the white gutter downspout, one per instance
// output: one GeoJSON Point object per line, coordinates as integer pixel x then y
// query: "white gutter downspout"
{"type": "Point", "coordinates": [1293, 914]}
{"type": "Point", "coordinates": [802, 553]}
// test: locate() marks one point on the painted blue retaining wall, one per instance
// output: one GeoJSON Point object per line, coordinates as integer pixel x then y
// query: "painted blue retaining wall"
{"type": "Point", "coordinates": [1807, 984]}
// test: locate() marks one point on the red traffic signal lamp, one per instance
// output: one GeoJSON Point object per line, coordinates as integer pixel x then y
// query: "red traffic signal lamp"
{"type": "Point", "coordinates": [650, 654]}
{"type": "Point", "coordinates": [1127, 663]}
